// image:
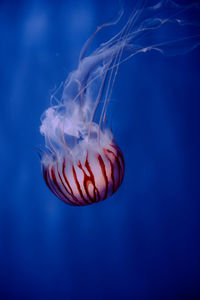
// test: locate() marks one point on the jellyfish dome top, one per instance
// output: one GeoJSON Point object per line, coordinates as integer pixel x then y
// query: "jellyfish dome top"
{"type": "Point", "coordinates": [82, 163]}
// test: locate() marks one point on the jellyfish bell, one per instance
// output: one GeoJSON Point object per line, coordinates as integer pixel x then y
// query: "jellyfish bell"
{"type": "Point", "coordinates": [81, 169]}
{"type": "Point", "coordinates": [83, 164]}
{"type": "Point", "coordinates": [94, 177]}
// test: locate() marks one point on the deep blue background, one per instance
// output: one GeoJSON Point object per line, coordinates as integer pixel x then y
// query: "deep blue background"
{"type": "Point", "coordinates": [143, 242]}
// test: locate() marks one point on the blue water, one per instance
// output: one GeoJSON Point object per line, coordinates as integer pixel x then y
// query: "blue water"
{"type": "Point", "coordinates": [143, 242]}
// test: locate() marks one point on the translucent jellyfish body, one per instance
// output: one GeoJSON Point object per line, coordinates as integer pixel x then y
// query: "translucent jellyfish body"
{"type": "Point", "coordinates": [88, 171]}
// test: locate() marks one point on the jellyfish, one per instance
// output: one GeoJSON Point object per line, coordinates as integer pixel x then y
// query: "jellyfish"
{"type": "Point", "coordinates": [82, 163]}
